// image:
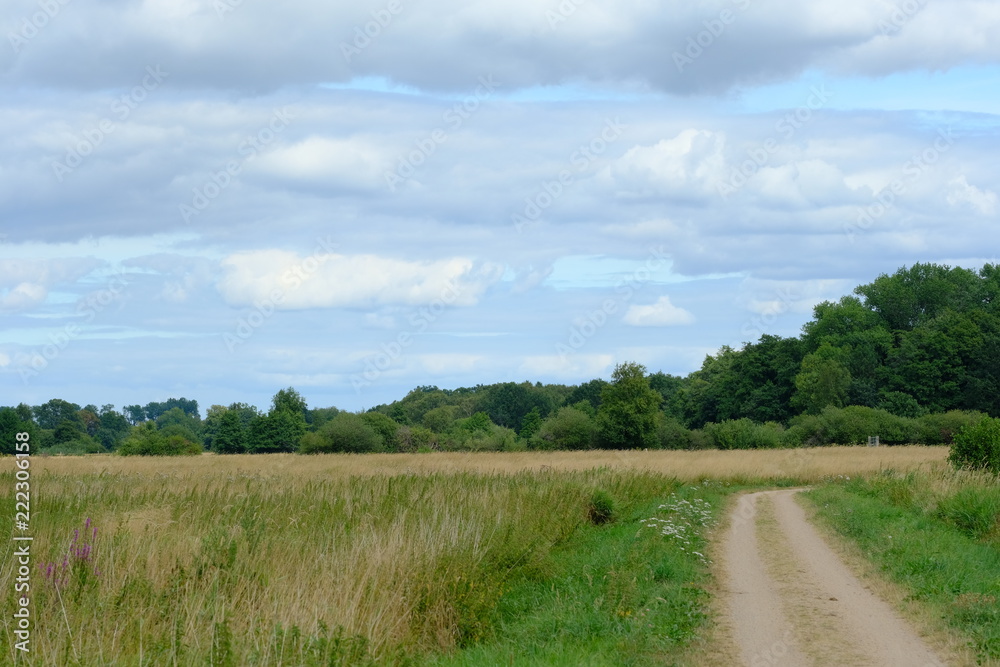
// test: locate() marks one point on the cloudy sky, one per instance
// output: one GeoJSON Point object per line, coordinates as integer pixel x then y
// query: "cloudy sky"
{"type": "Point", "coordinates": [216, 199]}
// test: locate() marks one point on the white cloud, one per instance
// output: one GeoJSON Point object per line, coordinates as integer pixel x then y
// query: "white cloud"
{"type": "Point", "coordinates": [659, 314]}
{"type": "Point", "coordinates": [961, 193]}
{"type": "Point", "coordinates": [349, 162]}
{"type": "Point", "coordinates": [333, 280]}
{"type": "Point", "coordinates": [688, 165]}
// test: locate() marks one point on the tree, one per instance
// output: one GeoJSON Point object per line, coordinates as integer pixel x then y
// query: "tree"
{"type": "Point", "coordinates": [134, 414]}
{"type": "Point", "coordinates": [530, 424]}
{"type": "Point", "coordinates": [275, 432]}
{"type": "Point", "coordinates": [627, 418]}
{"type": "Point", "coordinates": [49, 415]}
{"type": "Point", "coordinates": [385, 427]}
{"type": "Point", "coordinates": [822, 381]}
{"type": "Point", "coordinates": [177, 422]}
{"type": "Point", "coordinates": [567, 428]}
{"type": "Point", "coordinates": [290, 401]}
{"type": "Point", "coordinates": [10, 426]}
{"type": "Point", "coordinates": [231, 435]}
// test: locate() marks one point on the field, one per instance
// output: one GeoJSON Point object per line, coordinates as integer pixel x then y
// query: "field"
{"type": "Point", "coordinates": [445, 559]}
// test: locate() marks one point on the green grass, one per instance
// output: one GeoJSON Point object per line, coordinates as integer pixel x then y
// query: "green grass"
{"type": "Point", "coordinates": [934, 534]}
{"type": "Point", "coordinates": [613, 594]}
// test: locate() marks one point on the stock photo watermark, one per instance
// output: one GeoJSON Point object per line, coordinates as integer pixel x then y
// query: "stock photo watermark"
{"type": "Point", "coordinates": [586, 326]}
{"type": "Point", "coordinates": [122, 108]}
{"type": "Point", "coordinates": [900, 15]}
{"type": "Point", "coordinates": [424, 148]}
{"type": "Point", "coordinates": [204, 194]}
{"type": "Point", "coordinates": [912, 170]}
{"type": "Point", "coordinates": [786, 127]}
{"type": "Point", "coordinates": [390, 352]}
{"type": "Point", "coordinates": [32, 25]}
{"type": "Point", "coordinates": [365, 36]}
{"type": "Point", "coordinates": [580, 159]}
{"type": "Point", "coordinates": [784, 300]}
{"type": "Point", "coordinates": [38, 360]}
{"type": "Point", "coordinates": [264, 309]}
{"type": "Point", "coordinates": [698, 43]}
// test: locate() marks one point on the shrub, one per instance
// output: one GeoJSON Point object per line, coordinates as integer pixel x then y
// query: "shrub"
{"type": "Point", "coordinates": [568, 428]}
{"type": "Point", "coordinates": [940, 428]}
{"type": "Point", "coordinates": [146, 440]}
{"type": "Point", "coordinates": [978, 446]}
{"type": "Point", "coordinates": [744, 434]}
{"type": "Point", "coordinates": [672, 434]}
{"type": "Point", "coordinates": [416, 438]}
{"type": "Point", "coordinates": [384, 426]}
{"type": "Point", "coordinates": [852, 426]}
{"type": "Point", "coordinates": [347, 432]}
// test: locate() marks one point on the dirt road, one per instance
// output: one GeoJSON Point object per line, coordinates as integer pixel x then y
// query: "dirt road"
{"type": "Point", "coordinates": [790, 600]}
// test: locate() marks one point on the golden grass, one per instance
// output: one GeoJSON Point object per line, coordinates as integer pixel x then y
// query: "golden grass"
{"type": "Point", "coordinates": [806, 464]}
{"type": "Point", "coordinates": [400, 549]}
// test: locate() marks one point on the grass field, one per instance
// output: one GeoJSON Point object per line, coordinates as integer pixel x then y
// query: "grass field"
{"type": "Point", "coordinates": [444, 559]}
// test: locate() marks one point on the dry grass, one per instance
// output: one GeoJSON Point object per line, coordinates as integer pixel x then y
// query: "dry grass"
{"type": "Point", "coordinates": [805, 465]}
{"type": "Point", "coordinates": [222, 556]}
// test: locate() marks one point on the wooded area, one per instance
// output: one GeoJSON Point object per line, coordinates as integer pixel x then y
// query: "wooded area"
{"type": "Point", "coordinates": [911, 357]}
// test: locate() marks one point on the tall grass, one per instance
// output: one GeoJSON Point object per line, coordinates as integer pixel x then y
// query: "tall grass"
{"type": "Point", "coordinates": [214, 566]}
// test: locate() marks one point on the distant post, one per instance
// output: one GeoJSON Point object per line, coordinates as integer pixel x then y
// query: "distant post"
{"type": "Point", "coordinates": [873, 441]}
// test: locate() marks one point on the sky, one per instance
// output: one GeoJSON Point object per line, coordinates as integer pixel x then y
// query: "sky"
{"type": "Point", "coordinates": [217, 199]}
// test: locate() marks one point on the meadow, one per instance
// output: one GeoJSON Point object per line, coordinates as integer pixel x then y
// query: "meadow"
{"type": "Point", "coordinates": [437, 559]}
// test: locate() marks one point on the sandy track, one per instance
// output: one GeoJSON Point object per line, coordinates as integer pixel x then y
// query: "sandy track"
{"type": "Point", "coordinates": [790, 600]}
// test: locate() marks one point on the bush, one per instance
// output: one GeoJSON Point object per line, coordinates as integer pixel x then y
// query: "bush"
{"type": "Point", "coordinates": [978, 446]}
{"type": "Point", "coordinates": [672, 434]}
{"type": "Point", "coordinates": [852, 426]}
{"type": "Point", "coordinates": [384, 426]}
{"type": "Point", "coordinates": [744, 434]}
{"type": "Point", "coordinates": [146, 440]}
{"type": "Point", "coordinates": [416, 438]}
{"type": "Point", "coordinates": [568, 428]}
{"type": "Point", "coordinates": [347, 432]}
{"type": "Point", "coordinates": [940, 428]}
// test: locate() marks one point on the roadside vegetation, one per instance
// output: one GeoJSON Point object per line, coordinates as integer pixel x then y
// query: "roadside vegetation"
{"type": "Point", "coordinates": [935, 533]}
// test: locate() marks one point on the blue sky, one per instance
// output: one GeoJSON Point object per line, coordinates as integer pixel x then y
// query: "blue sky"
{"type": "Point", "coordinates": [218, 199]}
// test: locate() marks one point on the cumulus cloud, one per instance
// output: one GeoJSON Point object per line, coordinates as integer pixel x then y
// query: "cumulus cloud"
{"type": "Point", "coordinates": [962, 193]}
{"type": "Point", "coordinates": [659, 314]}
{"type": "Point", "coordinates": [689, 165]}
{"type": "Point", "coordinates": [25, 283]}
{"type": "Point", "coordinates": [329, 280]}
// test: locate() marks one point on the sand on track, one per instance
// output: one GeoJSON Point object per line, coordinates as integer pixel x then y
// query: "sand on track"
{"type": "Point", "coordinates": [790, 600]}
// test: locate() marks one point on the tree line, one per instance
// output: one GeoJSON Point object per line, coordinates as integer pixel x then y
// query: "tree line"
{"type": "Point", "coordinates": [912, 357]}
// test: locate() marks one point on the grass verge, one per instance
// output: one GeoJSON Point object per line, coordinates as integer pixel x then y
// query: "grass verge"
{"type": "Point", "coordinates": [936, 534]}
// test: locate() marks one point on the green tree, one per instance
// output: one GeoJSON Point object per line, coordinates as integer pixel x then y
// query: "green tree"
{"type": "Point", "coordinates": [231, 435]}
{"type": "Point", "coordinates": [822, 381]}
{"type": "Point", "coordinates": [289, 400]}
{"type": "Point", "coordinates": [567, 428]}
{"type": "Point", "coordinates": [385, 427]}
{"type": "Point", "coordinates": [530, 424]}
{"type": "Point", "coordinates": [627, 418]}
{"type": "Point", "coordinates": [275, 432]}
{"type": "Point", "coordinates": [10, 426]}
{"type": "Point", "coordinates": [49, 415]}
